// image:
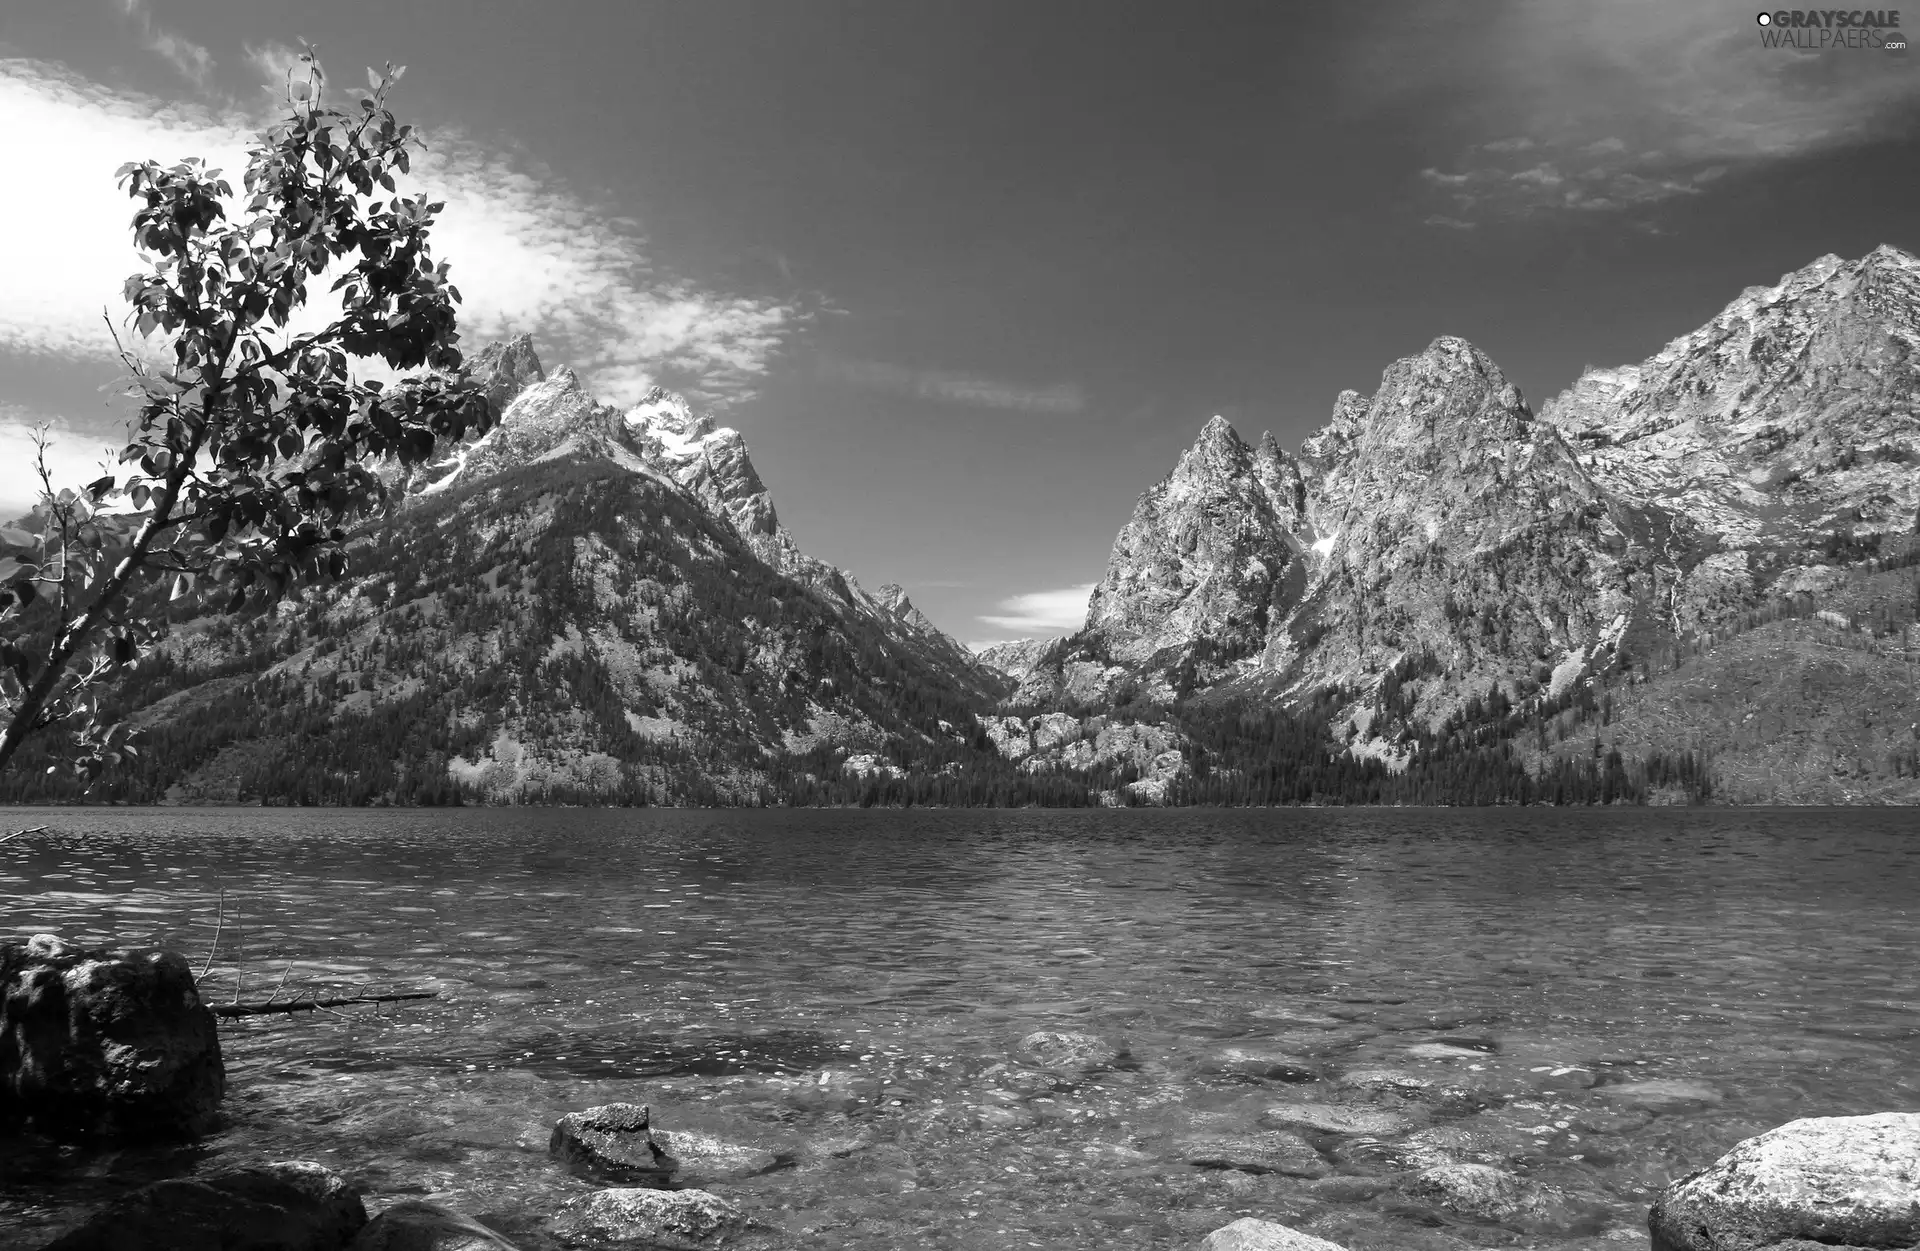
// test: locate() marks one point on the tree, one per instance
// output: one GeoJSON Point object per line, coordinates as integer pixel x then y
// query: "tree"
{"type": "Point", "coordinates": [254, 450]}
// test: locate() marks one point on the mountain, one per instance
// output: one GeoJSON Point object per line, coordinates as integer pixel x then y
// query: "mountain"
{"type": "Point", "coordinates": [1013, 659]}
{"type": "Point", "coordinates": [1440, 565]}
{"type": "Point", "coordinates": [1693, 577]}
{"type": "Point", "coordinates": [1213, 554]}
{"type": "Point", "coordinates": [1786, 426]}
{"type": "Point", "coordinates": [584, 604]}
{"type": "Point", "coordinates": [1464, 546]}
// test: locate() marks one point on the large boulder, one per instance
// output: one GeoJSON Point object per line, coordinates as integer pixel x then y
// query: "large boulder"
{"type": "Point", "coordinates": [676, 1220]}
{"type": "Point", "coordinates": [418, 1226]}
{"type": "Point", "coordinates": [294, 1206]}
{"type": "Point", "coordinates": [611, 1143]}
{"type": "Point", "coordinates": [1252, 1234]}
{"type": "Point", "coordinates": [105, 1043]}
{"type": "Point", "coordinates": [1840, 1180]}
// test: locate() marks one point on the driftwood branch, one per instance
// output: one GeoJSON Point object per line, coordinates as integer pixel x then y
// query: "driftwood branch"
{"type": "Point", "coordinates": [38, 829]}
{"type": "Point", "coordinates": [309, 1005]}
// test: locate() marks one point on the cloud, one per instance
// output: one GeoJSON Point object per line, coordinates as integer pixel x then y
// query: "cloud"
{"type": "Point", "coordinates": [193, 61]}
{"type": "Point", "coordinates": [1044, 612]}
{"type": "Point", "coordinates": [1451, 223]}
{"type": "Point", "coordinates": [956, 388]}
{"type": "Point", "coordinates": [73, 458]}
{"type": "Point", "coordinates": [1624, 104]}
{"type": "Point", "coordinates": [526, 252]}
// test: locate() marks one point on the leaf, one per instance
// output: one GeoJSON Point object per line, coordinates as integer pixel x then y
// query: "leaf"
{"type": "Point", "coordinates": [99, 487]}
{"type": "Point", "coordinates": [17, 537]}
{"type": "Point", "coordinates": [182, 586]}
{"type": "Point", "coordinates": [24, 590]}
{"type": "Point", "coordinates": [373, 78]}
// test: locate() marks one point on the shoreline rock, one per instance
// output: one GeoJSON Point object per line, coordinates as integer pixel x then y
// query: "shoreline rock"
{"type": "Point", "coordinates": [106, 1043]}
{"type": "Point", "coordinates": [291, 1206]}
{"type": "Point", "coordinates": [611, 1142]}
{"type": "Point", "coordinates": [1837, 1180]}
{"type": "Point", "coordinates": [675, 1220]}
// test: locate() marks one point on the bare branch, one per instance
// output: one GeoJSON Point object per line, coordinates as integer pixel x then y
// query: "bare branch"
{"type": "Point", "coordinates": [309, 1005]}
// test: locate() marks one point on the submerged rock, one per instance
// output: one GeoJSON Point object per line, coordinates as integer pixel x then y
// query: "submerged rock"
{"type": "Point", "coordinates": [702, 1158]}
{"type": "Point", "coordinates": [1268, 1063]}
{"type": "Point", "coordinates": [418, 1226]}
{"type": "Point", "coordinates": [1274, 1151]}
{"type": "Point", "coordinates": [677, 1220]}
{"type": "Point", "coordinates": [1330, 1118]}
{"type": "Point", "coordinates": [1839, 1180]}
{"type": "Point", "coordinates": [293, 1206]}
{"type": "Point", "coordinates": [612, 1143]}
{"type": "Point", "coordinates": [1493, 1194]}
{"type": "Point", "coordinates": [105, 1043]}
{"type": "Point", "coordinates": [1661, 1094]}
{"type": "Point", "coordinates": [1070, 1049]}
{"type": "Point", "coordinates": [1252, 1234]}
{"type": "Point", "coordinates": [1386, 1081]}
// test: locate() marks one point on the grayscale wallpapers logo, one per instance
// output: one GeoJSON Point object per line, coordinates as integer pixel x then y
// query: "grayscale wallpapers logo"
{"type": "Point", "coordinates": [1813, 30]}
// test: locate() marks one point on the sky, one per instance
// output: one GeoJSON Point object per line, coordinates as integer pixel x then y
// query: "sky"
{"type": "Point", "coordinates": [969, 277]}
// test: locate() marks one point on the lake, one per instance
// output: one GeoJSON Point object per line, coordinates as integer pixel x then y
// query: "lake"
{"type": "Point", "coordinates": [1598, 1000]}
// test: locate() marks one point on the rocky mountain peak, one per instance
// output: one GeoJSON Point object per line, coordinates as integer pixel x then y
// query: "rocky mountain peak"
{"type": "Point", "coordinates": [1197, 571]}
{"type": "Point", "coordinates": [1790, 414]}
{"type": "Point", "coordinates": [505, 368]}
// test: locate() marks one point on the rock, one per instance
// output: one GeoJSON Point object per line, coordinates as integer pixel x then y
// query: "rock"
{"type": "Point", "coordinates": [1385, 1081]}
{"type": "Point", "coordinates": [417, 1226]}
{"type": "Point", "coordinates": [294, 1206]}
{"type": "Point", "coordinates": [1566, 1080]}
{"type": "Point", "coordinates": [1275, 1151]}
{"type": "Point", "coordinates": [1252, 1234]}
{"type": "Point", "coordinates": [1488, 1193]}
{"type": "Point", "coordinates": [611, 1143]}
{"type": "Point", "coordinates": [1838, 1180]}
{"type": "Point", "coordinates": [678, 1220]}
{"type": "Point", "coordinates": [105, 1043]}
{"type": "Point", "coordinates": [1330, 1118]}
{"type": "Point", "coordinates": [1347, 1189]}
{"type": "Point", "coordinates": [1453, 1144]}
{"type": "Point", "coordinates": [1070, 1049]}
{"type": "Point", "coordinates": [702, 1158]}
{"type": "Point", "coordinates": [1444, 1051]}
{"type": "Point", "coordinates": [1262, 1062]}
{"type": "Point", "coordinates": [1596, 1121]}
{"type": "Point", "coordinates": [1661, 1094]}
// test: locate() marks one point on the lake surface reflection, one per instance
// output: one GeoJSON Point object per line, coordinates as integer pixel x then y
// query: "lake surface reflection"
{"type": "Point", "coordinates": [1540, 964]}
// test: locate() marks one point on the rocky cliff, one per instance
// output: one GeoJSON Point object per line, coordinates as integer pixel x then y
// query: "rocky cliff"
{"type": "Point", "coordinates": [1214, 554]}
{"type": "Point", "coordinates": [1787, 428]}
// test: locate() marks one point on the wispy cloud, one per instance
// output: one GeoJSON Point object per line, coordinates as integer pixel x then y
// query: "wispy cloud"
{"type": "Point", "coordinates": [956, 388]}
{"type": "Point", "coordinates": [1622, 104]}
{"type": "Point", "coordinates": [193, 61]}
{"type": "Point", "coordinates": [526, 252]}
{"type": "Point", "coordinates": [1043, 612]}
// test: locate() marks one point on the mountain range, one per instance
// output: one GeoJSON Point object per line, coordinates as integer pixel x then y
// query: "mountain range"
{"type": "Point", "coordinates": [1687, 578]}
